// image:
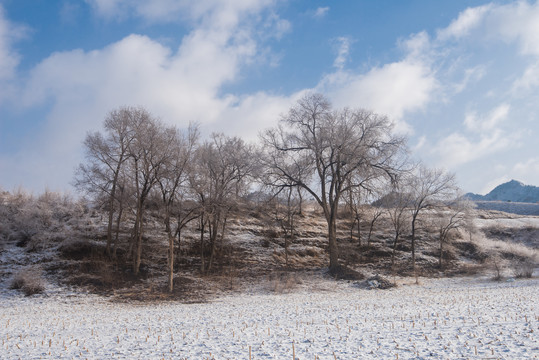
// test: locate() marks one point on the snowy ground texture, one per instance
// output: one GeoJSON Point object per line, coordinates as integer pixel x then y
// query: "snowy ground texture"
{"type": "Point", "coordinates": [464, 318]}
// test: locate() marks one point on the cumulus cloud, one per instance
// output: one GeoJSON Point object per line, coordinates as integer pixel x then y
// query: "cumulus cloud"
{"type": "Point", "coordinates": [9, 58]}
{"type": "Point", "coordinates": [417, 46]}
{"type": "Point", "coordinates": [393, 89]}
{"type": "Point", "coordinates": [487, 55]}
{"type": "Point", "coordinates": [178, 85]}
{"type": "Point", "coordinates": [187, 83]}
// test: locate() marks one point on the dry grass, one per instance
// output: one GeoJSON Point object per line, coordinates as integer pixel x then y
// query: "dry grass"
{"type": "Point", "coordinates": [29, 281]}
{"type": "Point", "coordinates": [283, 282]}
{"type": "Point", "coordinates": [523, 268]}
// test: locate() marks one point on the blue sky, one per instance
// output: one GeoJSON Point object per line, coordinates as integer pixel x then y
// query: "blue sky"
{"type": "Point", "coordinates": [459, 78]}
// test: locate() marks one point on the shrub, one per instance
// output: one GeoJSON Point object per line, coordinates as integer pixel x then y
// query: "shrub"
{"type": "Point", "coordinates": [77, 249]}
{"type": "Point", "coordinates": [283, 282]}
{"type": "Point", "coordinates": [523, 268]}
{"type": "Point", "coordinates": [29, 281]}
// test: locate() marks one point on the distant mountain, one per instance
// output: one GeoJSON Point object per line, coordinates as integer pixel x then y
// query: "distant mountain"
{"type": "Point", "coordinates": [513, 191]}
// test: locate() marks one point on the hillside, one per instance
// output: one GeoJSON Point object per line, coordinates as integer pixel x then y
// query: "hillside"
{"type": "Point", "coordinates": [513, 191]}
{"type": "Point", "coordinates": [57, 242]}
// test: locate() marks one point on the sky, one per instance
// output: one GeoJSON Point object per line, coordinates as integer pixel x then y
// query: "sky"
{"type": "Point", "coordinates": [460, 78]}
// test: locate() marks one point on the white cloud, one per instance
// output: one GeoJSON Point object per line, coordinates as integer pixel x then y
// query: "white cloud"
{"type": "Point", "coordinates": [9, 58]}
{"type": "Point", "coordinates": [491, 184]}
{"type": "Point", "coordinates": [393, 89]}
{"type": "Point", "coordinates": [529, 80]}
{"type": "Point", "coordinates": [471, 75]}
{"type": "Point", "coordinates": [321, 12]}
{"type": "Point", "coordinates": [417, 46]}
{"type": "Point", "coordinates": [458, 149]}
{"type": "Point", "coordinates": [251, 114]}
{"type": "Point", "coordinates": [343, 49]}
{"type": "Point", "coordinates": [420, 144]}
{"type": "Point", "coordinates": [517, 22]}
{"type": "Point", "coordinates": [178, 85]}
{"type": "Point", "coordinates": [488, 54]}
{"type": "Point", "coordinates": [479, 124]}
{"type": "Point", "coordinates": [527, 171]}
{"type": "Point", "coordinates": [108, 8]}
{"type": "Point", "coordinates": [464, 24]}
{"type": "Point", "coordinates": [215, 13]}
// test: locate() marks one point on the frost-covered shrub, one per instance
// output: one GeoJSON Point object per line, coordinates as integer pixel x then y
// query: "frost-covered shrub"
{"type": "Point", "coordinates": [29, 281]}
{"type": "Point", "coordinates": [283, 282]}
{"type": "Point", "coordinates": [498, 264]}
{"type": "Point", "coordinates": [523, 268]}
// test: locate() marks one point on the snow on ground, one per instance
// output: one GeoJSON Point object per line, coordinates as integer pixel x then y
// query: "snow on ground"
{"type": "Point", "coordinates": [515, 222]}
{"type": "Point", "coordinates": [323, 319]}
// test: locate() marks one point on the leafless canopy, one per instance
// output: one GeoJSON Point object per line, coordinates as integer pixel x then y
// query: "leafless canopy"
{"type": "Point", "coordinates": [327, 152]}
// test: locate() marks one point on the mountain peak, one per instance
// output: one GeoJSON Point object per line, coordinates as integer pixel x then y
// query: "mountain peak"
{"type": "Point", "coordinates": [514, 182]}
{"type": "Point", "coordinates": [514, 191]}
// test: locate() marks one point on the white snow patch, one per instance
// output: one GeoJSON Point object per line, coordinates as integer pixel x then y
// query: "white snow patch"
{"type": "Point", "coordinates": [440, 319]}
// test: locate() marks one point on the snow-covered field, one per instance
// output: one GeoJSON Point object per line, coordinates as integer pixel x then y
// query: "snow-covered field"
{"type": "Point", "coordinates": [323, 319]}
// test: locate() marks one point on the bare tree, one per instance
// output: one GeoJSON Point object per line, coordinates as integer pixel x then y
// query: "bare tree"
{"type": "Point", "coordinates": [149, 151]}
{"type": "Point", "coordinates": [355, 208]}
{"type": "Point", "coordinates": [358, 199]}
{"type": "Point", "coordinates": [469, 220]}
{"type": "Point", "coordinates": [374, 213]}
{"type": "Point", "coordinates": [223, 167]}
{"type": "Point", "coordinates": [448, 219]}
{"type": "Point", "coordinates": [287, 208]}
{"type": "Point", "coordinates": [172, 180]}
{"type": "Point", "coordinates": [397, 203]}
{"type": "Point", "coordinates": [319, 149]}
{"type": "Point", "coordinates": [428, 188]}
{"type": "Point", "coordinates": [105, 156]}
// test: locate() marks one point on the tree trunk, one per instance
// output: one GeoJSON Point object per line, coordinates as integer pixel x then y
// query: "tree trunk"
{"type": "Point", "coordinates": [202, 223]}
{"type": "Point", "coordinates": [213, 226]}
{"type": "Point", "coordinates": [109, 225]}
{"type": "Point", "coordinates": [371, 227]}
{"type": "Point", "coordinates": [359, 231]}
{"type": "Point", "coordinates": [118, 221]}
{"type": "Point", "coordinates": [170, 262]}
{"type": "Point", "coordinates": [393, 253]}
{"type": "Point", "coordinates": [179, 243]}
{"type": "Point", "coordinates": [413, 250]}
{"type": "Point", "coordinates": [138, 258]}
{"type": "Point", "coordinates": [300, 210]}
{"type": "Point", "coordinates": [441, 249]}
{"type": "Point", "coordinates": [333, 246]}
{"type": "Point", "coordinates": [394, 249]}
{"type": "Point", "coordinates": [352, 230]}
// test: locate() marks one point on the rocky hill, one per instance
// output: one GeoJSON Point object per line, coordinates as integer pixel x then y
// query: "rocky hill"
{"type": "Point", "coordinates": [513, 191]}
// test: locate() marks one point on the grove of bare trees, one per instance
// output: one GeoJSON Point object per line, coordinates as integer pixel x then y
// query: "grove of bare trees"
{"type": "Point", "coordinates": [336, 157]}
{"type": "Point", "coordinates": [330, 152]}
